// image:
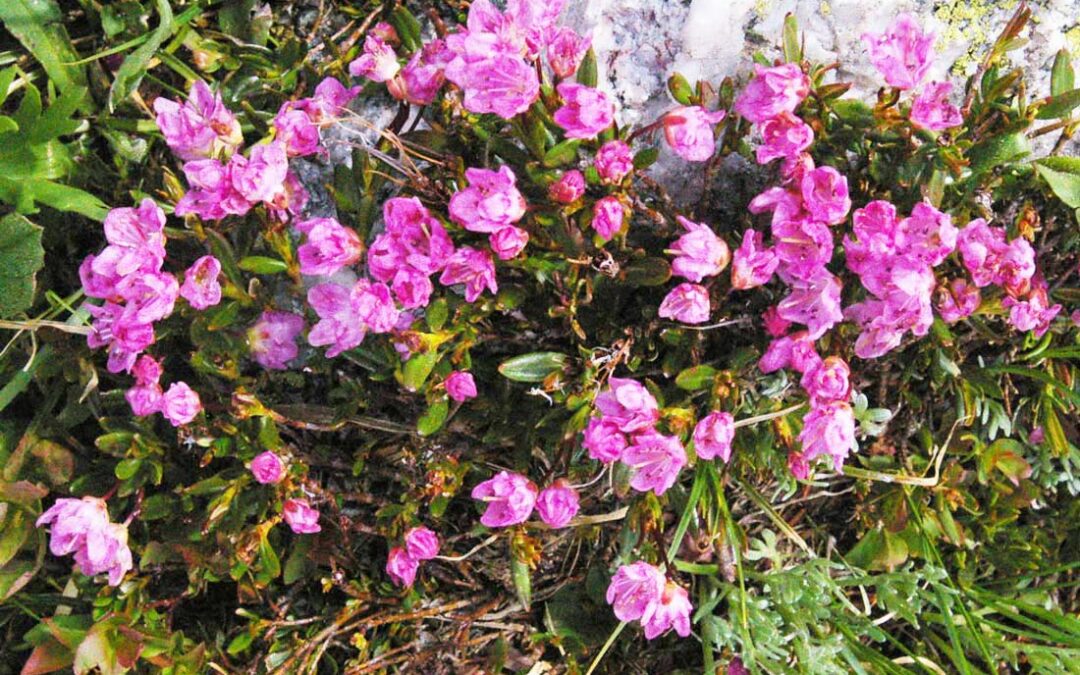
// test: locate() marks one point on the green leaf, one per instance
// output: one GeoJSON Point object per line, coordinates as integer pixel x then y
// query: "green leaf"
{"type": "Point", "coordinates": [433, 418]}
{"type": "Point", "coordinates": [23, 256]}
{"type": "Point", "coordinates": [416, 370]}
{"type": "Point", "coordinates": [1063, 176]}
{"type": "Point", "coordinates": [792, 48]}
{"type": "Point", "coordinates": [586, 72]}
{"type": "Point", "coordinates": [134, 67]}
{"type": "Point", "coordinates": [16, 526]}
{"type": "Point", "coordinates": [38, 25]}
{"type": "Point", "coordinates": [407, 27]}
{"type": "Point", "coordinates": [645, 158]}
{"type": "Point", "coordinates": [532, 367]}
{"type": "Point", "coordinates": [522, 582]}
{"type": "Point", "coordinates": [1004, 454]}
{"type": "Point", "coordinates": [260, 264]}
{"type": "Point", "coordinates": [999, 150]}
{"type": "Point", "coordinates": [436, 314]}
{"type": "Point", "coordinates": [561, 154]}
{"type": "Point", "coordinates": [697, 377]}
{"type": "Point", "coordinates": [648, 272]}
{"type": "Point", "coordinates": [680, 89]}
{"type": "Point", "coordinates": [1062, 78]}
{"type": "Point", "coordinates": [271, 564]}
{"type": "Point", "coordinates": [1059, 105]}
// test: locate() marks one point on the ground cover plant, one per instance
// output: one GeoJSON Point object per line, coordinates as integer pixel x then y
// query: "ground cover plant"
{"type": "Point", "coordinates": [360, 337]}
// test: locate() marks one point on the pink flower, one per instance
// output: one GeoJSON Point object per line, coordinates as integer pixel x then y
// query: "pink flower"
{"type": "Point", "coordinates": [671, 611]}
{"type": "Point", "coordinates": [957, 300]}
{"type": "Point", "coordinates": [329, 102]}
{"type": "Point", "coordinates": [147, 370]}
{"type": "Point", "coordinates": [180, 404]}
{"type": "Point", "coordinates": [510, 499]}
{"type": "Point", "coordinates": [296, 130]}
{"type": "Point", "coordinates": [656, 460]}
{"type": "Point", "coordinates": [460, 386]}
{"type": "Point", "coordinates": [378, 63]}
{"type": "Point", "coordinates": [82, 527]}
{"type": "Point", "coordinates": [106, 551]}
{"type": "Point", "coordinates": [150, 296]}
{"type": "Point", "coordinates": [902, 53]}
{"type": "Point", "coordinates": [421, 543]}
{"type": "Point", "coordinates": [803, 246]}
{"type": "Point", "coordinates": [300, 517]}
{"type": "Point", "coordinates": [496, 82]}
{"type": "Point", "coordinates": [828, 381]}
{"type": "Point", "coordinates": [814, 302]}
{"type": "Point", "coordinates": [413, 238]}
{"type": "Point", "coordinates": [981, 248]}
{"type": "Point", "coordinates": [557, 504]}
{"type": "Point", "coordinates": [753, 264]}
{"type": "Point", "coordinates": [713, 436]}
{"type": "Point", "coordinates": [795, 351]}
{"type": "Point", "coordinates": [508, 242]}
{"type": "Point", "coordinates": [774, 325]}
{"type": "Point", "coordinates": [686, 303]}
{"type": "Point", "coordinates": [338, 324]}
{"type": "Point", "coordinates": [603, 439]}
{"type": "Point", "coordinates": [201, 288]}
{"type": "Point", "coordinates": [490, 203]}
{"type": "Point", "coordinates": [829, 431]}
{"type": "Point", "coordinates": [272, 339]}
{"type": "Point", "coordinates": [825, 195]}
{"type": "Point", "coordinates": [267, 468]}
{"type": "Point", "coordinates": [402, 567]}
{"type": "Point", "coordinates": [783, 137]}
{"type": "Point", "coordinates": [566, 50]}
{"type": "Point", "coordinates": [772, 91]}
{"type": "Point", "coordinates": [928, 234]}
{"type": "Point", "coordinates": [423, 76]}
{"type": "Point", "coordinates": [144, 399]}
{"type": "Point", "coordinates": [607, 217]}
{"type": "Point", "coordinates": [473, 268]}
{"type": "Point", "coordinates": [688, 130]}
{"type": "Point", "coordinates": [200, 127]}
{"type": "Point", "coordinates": [373, 303]}
{"type": "Point", "coordinates": [328, 247]}
{"type": "Point", "coordinates": [628, 405]}
{"type": "Point", "coordinates": [699, 253]}
{"type": "Point", "coordinates": [635, 590]}
{"type": "Point", "coordinates": [136, 239]}
{"type": "Point", "coordinates": [931, 108]}
{"type": "Point", "coordinates": [569, 188]}
{"type": "Point", "coordinates": [411, 288]}
{"type": "Point", "coordinates": [212, 195]}
{"type": "Point", "coordinates": [1032, 314]}
{"type": "Point", "coordinates": [261, 176]}
{"type": "Point", "coordinates": [614, 161]}
{"type": "Point", "coordinates": [585, 111]}
{"type": "Point", "coordinates": [125, 336]}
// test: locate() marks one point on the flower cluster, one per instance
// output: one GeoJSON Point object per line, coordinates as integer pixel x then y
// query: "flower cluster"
{"type": "Point", "coordinates": [404, 561]}
{"type": "Point", "coordinates": [82, 527]}
{"type": "Point", "coordinates": [511, 498]}
{"type": "Point", "coordinates": [699, 253]}
{"type": "Point", "coordinates": [640, 592]}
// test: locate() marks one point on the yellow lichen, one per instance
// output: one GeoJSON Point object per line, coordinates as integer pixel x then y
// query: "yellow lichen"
{"type": "Point", "coordinates": [967, 22]}
{"type": "Point", "coordinates": [1072, 39]}
{"type": "Point", "coordinates": [825, 8]}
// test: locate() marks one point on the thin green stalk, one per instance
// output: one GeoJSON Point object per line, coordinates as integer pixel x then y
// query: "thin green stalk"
{"type": "Point", "coordinates": [607, 645]}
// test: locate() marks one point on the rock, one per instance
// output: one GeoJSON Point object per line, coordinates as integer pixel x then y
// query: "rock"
{"type": "Point", "coordinates": [640, 42]}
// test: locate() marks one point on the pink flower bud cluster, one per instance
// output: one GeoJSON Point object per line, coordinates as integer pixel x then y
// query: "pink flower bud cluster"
{"type": "Point", "coordinates": [699, 253]}
{"type": "Point", "coordinates": [625, 431]}
{"type": "Point", "coordinates": [82, 527]}
{"type": "Point", "coordinates": [903, 54]}
{"type": "Point", "coordinates": [403, 562]}
{"type": "Point", "coordinates": [492, 205]}
{"type": "Point", "coordinates": [511, 498]}
{"type": "Point", "coordinates": [298, 124]}
{"type": "Point", "coordinates": [640, 592]}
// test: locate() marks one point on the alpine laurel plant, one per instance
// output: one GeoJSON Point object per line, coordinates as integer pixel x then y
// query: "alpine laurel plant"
{"type": "Point", "coordinates": [467, 390]}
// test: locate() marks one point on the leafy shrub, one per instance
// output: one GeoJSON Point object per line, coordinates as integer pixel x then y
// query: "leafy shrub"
{"type": "Point", "coordinates": [434, 393]}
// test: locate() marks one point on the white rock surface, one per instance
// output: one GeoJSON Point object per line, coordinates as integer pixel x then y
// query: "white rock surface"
{"type": "Point", "coordinates": [640, 42]}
